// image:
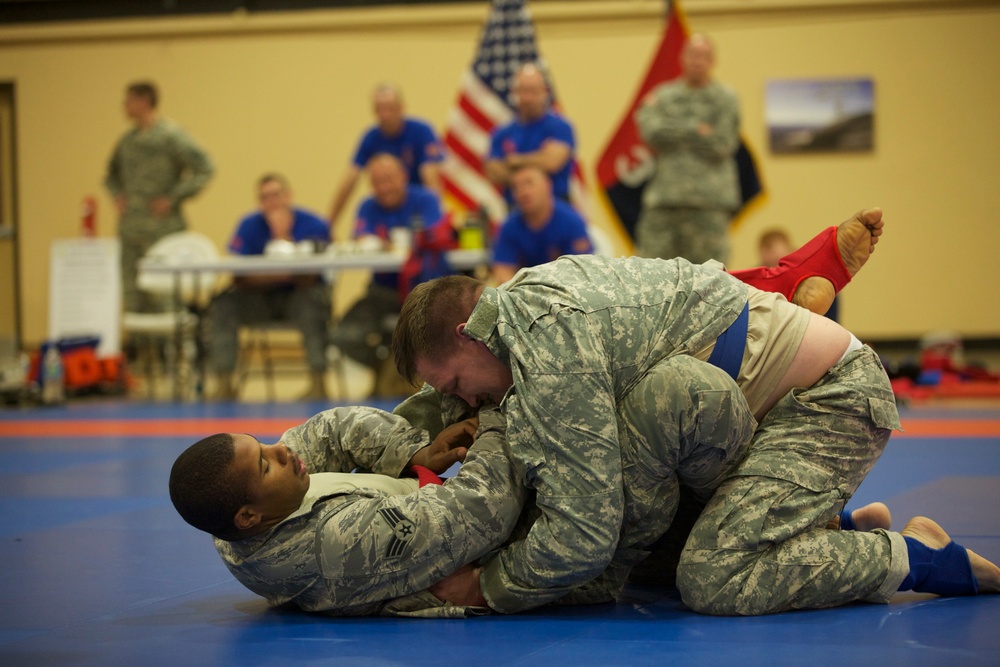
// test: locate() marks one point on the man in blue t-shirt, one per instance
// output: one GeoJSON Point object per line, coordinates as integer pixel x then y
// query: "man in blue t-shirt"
{"type": "Point", "coordinates": [410, 139]}
{"type": "Point", "coordinates": [537, 136]}
{"type": "Point", "coordinates": [540, 229]}
{"type": "Point", "coordinates": [303, 299]}
{"type": "Point", "coordinates": [395, 206]}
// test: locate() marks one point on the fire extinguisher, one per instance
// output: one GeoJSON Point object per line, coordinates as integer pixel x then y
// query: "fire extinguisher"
{"type": "Point", "coordinates": [88, 216]}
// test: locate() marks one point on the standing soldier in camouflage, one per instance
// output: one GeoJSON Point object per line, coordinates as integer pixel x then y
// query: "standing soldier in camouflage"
{"type": "Point", "coordinates": [692, 125]}
{"type": "Point", "coordinates": [559, 347]}
{"type": "Point", "coordinates": [153, 169]}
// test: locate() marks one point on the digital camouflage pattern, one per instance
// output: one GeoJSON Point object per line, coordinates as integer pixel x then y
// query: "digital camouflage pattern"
{"type": "Point", "coordinates": [365, 551]}
{"type": "Point", "coordinates": [691, 169]}
{"type": "Point", "coordinates": [580, 334]}
{"type": "Point", "coordinates": [761, 545]}
{"type": "Point", "coordinates": [688, 203]}
{"type": "Point", "coordinates": [696, 234]}
{"type": "Point", "coordinates": [685, 424]}
{"type": "Point", "coordinates": [158, 161]}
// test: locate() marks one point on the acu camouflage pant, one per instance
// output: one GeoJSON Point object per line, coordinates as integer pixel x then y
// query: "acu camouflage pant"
{"type": "Point", "coordinates": [761, 545]}
{"type": "Point", "coordinates": [696, 234]}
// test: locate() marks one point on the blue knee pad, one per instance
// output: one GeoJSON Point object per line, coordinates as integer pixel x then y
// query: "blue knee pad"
{"type": "Point", "coordinates": [846, 522]}
{"type": "Point", "coordinates": [944, 571]}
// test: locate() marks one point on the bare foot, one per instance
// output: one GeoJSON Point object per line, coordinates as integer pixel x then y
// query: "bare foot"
{"type": "Point", "coordinates": [930, 533]}
{"type": "Point", "coordinates": [856, 239]}
{"type": "Point", "coordinates": [815, 293]}
{"type": "Point", "coordinates": [870, 517]}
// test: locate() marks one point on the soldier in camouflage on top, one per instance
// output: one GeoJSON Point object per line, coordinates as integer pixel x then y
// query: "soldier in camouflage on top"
{"type": "Point", "coordinates": [559, 347]}
{"type": "Point", "coordinates": [692, 126]}
{"type": "Point", "coordinates": [153, 169]}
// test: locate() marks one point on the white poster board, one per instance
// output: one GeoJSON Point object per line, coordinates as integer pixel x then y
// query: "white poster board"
{"type": "Point", "coordinates": [85, 291]}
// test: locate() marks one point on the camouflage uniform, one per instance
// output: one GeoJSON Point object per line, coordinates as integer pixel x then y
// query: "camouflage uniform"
{"type": "Point", "coordinates": [345, 551]}
{"type": "Point", "coordinates": [761, 545]}
{"type": "Point", "coordinates": [159, 161]}
{"type": "Point", "coordinates": [358, 547]}
{"type": "Point", "coordinates": [579, 335]}
{"type": "Point", "coordinates": [682, 428]}
{"type": "Point", "coordinates": [688, 203]}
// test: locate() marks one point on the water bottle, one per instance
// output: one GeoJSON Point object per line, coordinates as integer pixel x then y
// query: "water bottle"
{"type": "Point", "coordinates": [417, 231]}
{"type": "Point", "coordinates": [484, 224]}
{"type": "Point", "coordinates": [53, 392]}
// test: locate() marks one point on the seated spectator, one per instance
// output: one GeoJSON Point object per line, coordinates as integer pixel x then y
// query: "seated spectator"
{"type": "Point", "coordinates": [773, 245]}
{"type": "Point", "coordinates": [395, 204]}
{"type": "Point", "coordinates": [410, 139]}
{"type": "Point", "coordinates": [537, 136]}
{"type": "Point", "coordinates": [540, 228]}
{"type": "Point", "coordinates": [303, 299]}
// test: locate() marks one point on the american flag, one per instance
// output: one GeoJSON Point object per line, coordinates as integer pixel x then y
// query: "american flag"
{"type": "Point", "coordinates": [484, 103]}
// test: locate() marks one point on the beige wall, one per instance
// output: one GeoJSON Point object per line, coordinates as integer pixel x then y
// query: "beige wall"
{"type": "Point", "coordinates": [290, 92]}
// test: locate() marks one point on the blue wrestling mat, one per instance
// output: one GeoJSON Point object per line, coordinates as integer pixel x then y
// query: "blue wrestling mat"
{"type": "Point", "coordinates": [97, 569]}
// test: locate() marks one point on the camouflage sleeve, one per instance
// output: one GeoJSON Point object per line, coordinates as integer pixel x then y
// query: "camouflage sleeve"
{"type": "Point", "coordinates": [377, 549]}
{"type": "Point", "coordinates": [432, 411]}
{"type": "Point", "coordinates": [725, 137]}
{"type": "Point", "coordinates": [342, 439]}
{"type": "Point", "coordinates": [604, 588]}
{"type": "Point", "coordinates": [195, 164]}
{"type": "Point", "coordinates": [113, 178]}
{"type": "Point", "coordinates": [568, 444]}
{"type": "Point", "coordinates": [661, 125]}
{"type": "Point", "coordinates": [423, 410]}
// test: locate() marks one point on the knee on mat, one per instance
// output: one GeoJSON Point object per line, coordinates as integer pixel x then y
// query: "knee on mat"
{"type": "Point", "coordinates": [703, 588]}
{"type": "Point", "coordinates": [693, 588]}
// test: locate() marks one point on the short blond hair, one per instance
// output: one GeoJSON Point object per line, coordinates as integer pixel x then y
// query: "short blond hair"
{"type": "Point", "coordinates": [429, 315]}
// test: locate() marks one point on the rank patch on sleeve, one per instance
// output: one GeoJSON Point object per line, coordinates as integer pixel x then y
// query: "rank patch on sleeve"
{"type": "Point", "coordinates": [403, 531]}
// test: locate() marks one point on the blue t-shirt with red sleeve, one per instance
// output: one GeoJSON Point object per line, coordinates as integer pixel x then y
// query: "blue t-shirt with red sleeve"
{"type": "Point", "coordinates": [416, 145]}
{"type": "Point", "coordinates": [375, 219]}
{"type": "Point", "coordinates": [252, 233]}
{"type": "Point", "coordinates": [519, 137]}
{"type": "Point", "coordinates": [564, 234]}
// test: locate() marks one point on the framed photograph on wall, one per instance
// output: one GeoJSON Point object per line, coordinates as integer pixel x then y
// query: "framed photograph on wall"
{"type": "Point", "coordinates": [820, 115]}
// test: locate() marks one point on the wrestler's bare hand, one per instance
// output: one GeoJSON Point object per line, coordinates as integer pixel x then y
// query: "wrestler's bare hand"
{"type": "Point", "coordinates": [160, 207]}
{"type": "Point", "coordinates": [449, 448]}
{"type": "Point", "coordinates": [461, 588]}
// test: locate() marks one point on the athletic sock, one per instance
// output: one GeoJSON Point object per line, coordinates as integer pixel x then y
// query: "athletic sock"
{"type": "Point", "coordinates": [819, 257]}
{"type": "Point", "coordinates": [944, 571]}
